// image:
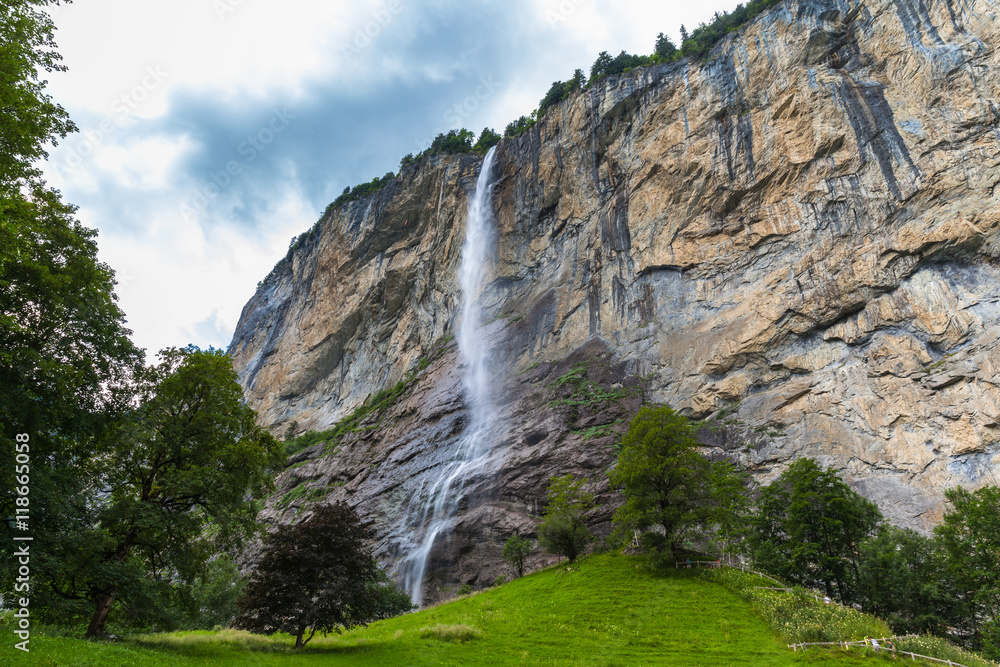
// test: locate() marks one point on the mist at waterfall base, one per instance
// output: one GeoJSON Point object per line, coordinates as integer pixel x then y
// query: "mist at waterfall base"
{"type": "Point", "coordinates": [433, 506]}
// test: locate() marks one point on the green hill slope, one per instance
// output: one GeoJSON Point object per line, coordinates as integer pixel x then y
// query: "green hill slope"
{"type": "Point", "coordinates": [606, 610]}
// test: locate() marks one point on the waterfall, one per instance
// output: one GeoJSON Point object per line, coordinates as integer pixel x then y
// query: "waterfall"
{"type": "Point", "coordinates": [441, 493]}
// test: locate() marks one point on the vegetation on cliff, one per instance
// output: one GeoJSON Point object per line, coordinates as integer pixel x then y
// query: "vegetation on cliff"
{"type": "Point", "coordinates": [697, 46]}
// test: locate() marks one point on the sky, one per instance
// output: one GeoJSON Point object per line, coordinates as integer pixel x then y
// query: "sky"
{"type": "Point", "coordinates": [212, 132]}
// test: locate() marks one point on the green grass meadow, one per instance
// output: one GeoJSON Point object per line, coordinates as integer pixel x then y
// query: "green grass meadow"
{"type": "Point", "coordinates": [608, 609]}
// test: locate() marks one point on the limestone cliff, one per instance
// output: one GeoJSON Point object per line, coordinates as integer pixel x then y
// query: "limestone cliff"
{"type": "Point", "coordinates": [802, 230]}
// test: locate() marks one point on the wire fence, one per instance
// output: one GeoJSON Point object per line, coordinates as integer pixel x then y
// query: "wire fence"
{"type": "Point", "coordinates": [875, 644]}
{"type": "Point", "coordinates": [869, 643]}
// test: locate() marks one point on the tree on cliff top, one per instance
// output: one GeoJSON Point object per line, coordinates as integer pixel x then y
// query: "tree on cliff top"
{"type": "Point", "coordinates": [319, 576]}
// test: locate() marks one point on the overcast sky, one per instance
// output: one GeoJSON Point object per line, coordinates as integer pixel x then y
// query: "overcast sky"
{"type": "Point", "coordinates": [213, 131]}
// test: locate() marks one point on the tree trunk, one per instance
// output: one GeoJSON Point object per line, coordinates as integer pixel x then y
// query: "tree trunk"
{"type": "Point", "coordinates": [102, 607]}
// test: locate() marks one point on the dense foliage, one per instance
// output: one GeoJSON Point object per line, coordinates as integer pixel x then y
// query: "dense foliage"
{"type": "Point", "coordinates": [705, 36]}
{"type": "Point", "coordinates": [672, 492]}
{"type": "Point", "coordinates": [362, 190]}
{"type": "Point", "coordinates": [319, 576]}
{"type": "Point", "coordinates": [564, 530]}
{"type": "Point", "coordinates": [30, 118]}
{"type": "Point", "coordinates": [66, 362]}
{"type": "Point", "coordinates": [970, 541]}
{"type": "Point", "coordinates": [900, 579]}
{"type": "Point", "coordinates": [168, 486]}
{"type": "Point", "coordinates": [809, 527]}
{"type": "Point", "coordinates": [561, 90]}
{"type": "Point", "coordinates": [521, 125]}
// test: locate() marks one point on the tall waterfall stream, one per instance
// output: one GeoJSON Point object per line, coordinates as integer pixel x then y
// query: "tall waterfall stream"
{"type": "Point", "coordinates": [433, 506]}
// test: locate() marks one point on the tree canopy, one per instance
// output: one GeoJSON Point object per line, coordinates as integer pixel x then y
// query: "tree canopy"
{"type": "Point", "coordinates": [809, 528]}
{"type": "Point", "coordinates": [28, 117]}
{"type": "Point", "coordinates": [169, 486]}
{"type": "Point", "coordinates": [671, 489]}
{"type": "Point", "coordinates": [970, 536]}
{"type": "Point", "coordinates": [66, 362]}
{"type": "Point", "coordinates": [319, 576]}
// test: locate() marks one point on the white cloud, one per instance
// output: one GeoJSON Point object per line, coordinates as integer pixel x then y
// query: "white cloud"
{"type": "Point", "coordinates": [165, 92]}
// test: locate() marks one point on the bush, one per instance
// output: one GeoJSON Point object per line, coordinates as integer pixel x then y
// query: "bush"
{"type": "Point", "coordinates": [799, 616]}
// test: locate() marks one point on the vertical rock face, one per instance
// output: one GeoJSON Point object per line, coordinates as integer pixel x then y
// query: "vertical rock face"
{"type": "Point", "coordinates": [802, 231]}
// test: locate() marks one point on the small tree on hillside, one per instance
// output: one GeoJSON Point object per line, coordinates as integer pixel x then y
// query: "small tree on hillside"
{"type": "Point", "coordinates": [670, 489]}
{"type": "Point", "coordinates": [515, 551]}
{"type": "Point", "coordinates": [564, 529]}
{"type": "Point", "coordinates": [319, 575]}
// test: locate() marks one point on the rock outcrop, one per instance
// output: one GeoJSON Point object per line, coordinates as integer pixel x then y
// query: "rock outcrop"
{"type": "Point", "coordinates": [802, 231]}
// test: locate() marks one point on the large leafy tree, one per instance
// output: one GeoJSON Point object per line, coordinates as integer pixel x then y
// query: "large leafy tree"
{"type": "Point", "coordinates": [671, 490]}
{"type": "Point", "coordinates": [809, 527]}
{"type": "Point", "coordinates": [66, 362]}
{"type": "Point", "coordinates": [970, 534]}
{"type": "Point", "coordinates": [172, 484]}
{"type": "Point", "coordinates": [319, 576]}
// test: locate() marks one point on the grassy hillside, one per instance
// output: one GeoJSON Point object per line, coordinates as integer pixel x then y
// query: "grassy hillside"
{"type": "Point", "coordinates": [606, 610]}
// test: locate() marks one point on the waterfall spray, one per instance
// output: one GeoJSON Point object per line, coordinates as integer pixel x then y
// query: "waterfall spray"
{"type": "Point", "coordinates": [445, 488]}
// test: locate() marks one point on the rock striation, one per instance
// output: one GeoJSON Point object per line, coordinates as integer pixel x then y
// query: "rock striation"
{"type": "Point", "coordinates": [801, 232]}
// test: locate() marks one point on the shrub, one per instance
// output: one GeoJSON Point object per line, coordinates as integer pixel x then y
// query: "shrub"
{"type": "Point", "coordinates": [798, 616]}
